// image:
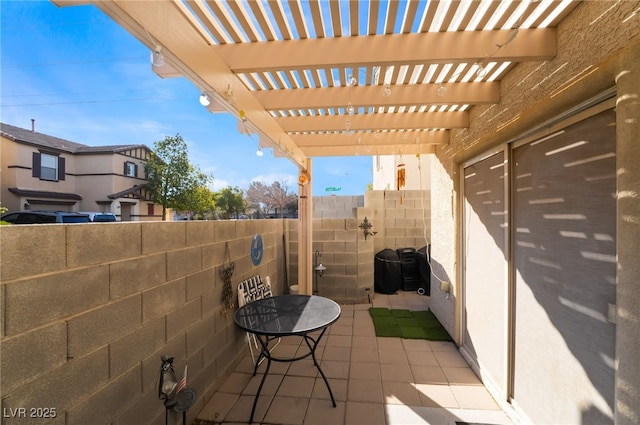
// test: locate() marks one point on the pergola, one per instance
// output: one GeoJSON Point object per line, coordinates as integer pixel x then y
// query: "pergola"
{"type": "Point", "coordinates": [341, 78]}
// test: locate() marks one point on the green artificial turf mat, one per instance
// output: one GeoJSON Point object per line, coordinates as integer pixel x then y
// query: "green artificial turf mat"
{"type": "Point", "coordinates": [384, 321]}
{"type": "Point", "coordinates": [401, 313]}
{"type": "Point", "coordinates": [429, 324]}
{"type": "Point", "coordinates": [424, 315]}
{"type": "Point", "coordinates": [437, 334]}
{"type": "Point", "coordinates": [388, 330]}
{"type": "Point", "coordinates": [413, 332]}
{"type": "Point", "coordinates": [379, 311]}
{"type": "Point", "coordinates": [407, 324]}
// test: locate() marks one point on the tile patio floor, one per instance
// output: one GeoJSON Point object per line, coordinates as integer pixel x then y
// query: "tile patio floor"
{"type": "Point", "coordinates": [385, 381]}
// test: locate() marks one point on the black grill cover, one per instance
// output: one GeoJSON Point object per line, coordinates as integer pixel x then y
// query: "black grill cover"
{"type": "Point", "coordinates": [423, 259]}
{"type": "Point", "coordinates": [410, 277]}
{"type": "Point", "coordinates": [387, 272]}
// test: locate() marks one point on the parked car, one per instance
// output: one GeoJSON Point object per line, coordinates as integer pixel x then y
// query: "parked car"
{"type": "Point", "coordinates": [43, 217]}
{"type": "Point", "coordinates": [101, 217]}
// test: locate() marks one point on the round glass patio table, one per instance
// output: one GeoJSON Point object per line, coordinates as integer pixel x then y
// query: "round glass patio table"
{"type": "Point", "coordinates": [305, 316]}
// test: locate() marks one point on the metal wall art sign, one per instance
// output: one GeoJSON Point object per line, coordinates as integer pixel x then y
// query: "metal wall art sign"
{"type": "Point", "coordinates": [257, 250]}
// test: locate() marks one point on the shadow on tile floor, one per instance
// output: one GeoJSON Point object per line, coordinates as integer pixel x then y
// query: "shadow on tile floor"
{"type": "Point", "coordinates": [385, 381]}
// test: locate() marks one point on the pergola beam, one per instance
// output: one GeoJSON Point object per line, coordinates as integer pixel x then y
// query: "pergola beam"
{"type": "Point", "coordinates": [367, 96]}
{"type": "Point", "coordinates": [367, 150]}
{"type": "Point", "coordinates": [386, 121]}
{"type": "Point", "coordinates": [171, 25]}
{"type": "Point", "coordinates": [375, 139]}
{"type": "Point", "coordinates": [221, 56]}
{"type": "Point", "coordinates": [389, 49]}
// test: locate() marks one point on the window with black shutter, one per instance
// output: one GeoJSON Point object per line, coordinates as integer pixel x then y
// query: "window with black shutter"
{"type": "Point", "coordinates": [35, 166]}
{"type": "Point", "coordinates": [130, 169]}
{"type": "Point", "coordinates": [61, 168]}
{"type": "Point", "coordinates": [48, 167]}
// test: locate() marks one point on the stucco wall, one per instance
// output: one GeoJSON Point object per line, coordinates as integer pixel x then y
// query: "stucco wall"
{"type": "Point", "coordinates": [525, 103]}
{"type": "Point", "coordinates": [89, 309]}
{"type": "Point", "coordinates": [628, 236]}
{"type": "Point", "coordinates": [91, 183]}
{"type": "Point", "coordinates": [417, 172]}
{"type": "Point", "coordinates": [598, 45]}
{"type": "Point", "coordinates": [16, 172]}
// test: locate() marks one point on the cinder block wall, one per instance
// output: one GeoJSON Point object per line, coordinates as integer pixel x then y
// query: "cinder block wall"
{"type": "Point", "coordinates": [345, 253]}
{"type": "Point", "coordinates": [400, 219]}
{"type": "Point", "coordinates": [88, 310]}
{"type": "Point", "coordinates": [336, 206]}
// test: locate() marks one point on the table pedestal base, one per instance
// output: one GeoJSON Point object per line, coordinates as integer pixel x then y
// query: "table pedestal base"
{"type": "Point", "coordinates": [312, 344]}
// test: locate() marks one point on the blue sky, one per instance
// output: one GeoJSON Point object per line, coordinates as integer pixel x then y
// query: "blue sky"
{"type": "Point", "coordinates": [85, 79]}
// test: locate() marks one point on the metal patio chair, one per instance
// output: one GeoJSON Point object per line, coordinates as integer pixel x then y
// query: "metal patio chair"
{"type": "Point", "coordinates": [249, 290]}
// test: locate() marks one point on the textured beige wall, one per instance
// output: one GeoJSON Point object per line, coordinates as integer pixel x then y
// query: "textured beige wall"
{"type": "Point", "coordinates": [20, 157]}
{"type": "Point", "coordinates": [345, 253]}
{"type": "Point", "coordinates": [88, 310]}
{"type": "Point", "coordinates": [417, 169]}
{"type": "Point", "coordinates": [8, 154]}
{"type": "Point", "coordinates": [598, 44]}
{"type": "Point", "coordinates": [526, 95]}
{"type": "Point", "coordinates": [443, 246]}
{"type": "Point", "coordinates": [628, 238]}
{"type": "Point", "coordinates": [400, 219]}
{"type": "Point", "coordinates": [90, 180]}
{"type": "Point", "coordinates": [336, 206]}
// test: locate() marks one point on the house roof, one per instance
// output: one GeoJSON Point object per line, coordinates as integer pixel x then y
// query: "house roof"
{"type": "Point", "coordinates": [108, 149]}
{"type": "Point", "coordinates": [45, 194]}
{"type": "Point", "coordinates": [315, 78]}
{"type": "Point", "coordinates": [138, 191]}
{"type": "Point", "coordinates": [21, 135]}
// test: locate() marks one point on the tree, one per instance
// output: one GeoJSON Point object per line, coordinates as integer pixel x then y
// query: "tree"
{"type": "Point", "coordinates": [280, 197]}
{"type": "Point", "coordinates": [172, 180]}
{"type": "Point", "coordinates": [264, 198]}
{"type": "Point", "coordinates": [258, 198]}
{"type": "Point", "coordinates": [2, 211]}
{"type": "Point", "coordinates": [230, 201]}
{"type": "Point", "coordinates": [203, 202]}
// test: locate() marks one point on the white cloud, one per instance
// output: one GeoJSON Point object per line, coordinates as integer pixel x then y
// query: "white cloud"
{"type": "Point", "coordinates": [218, 184]}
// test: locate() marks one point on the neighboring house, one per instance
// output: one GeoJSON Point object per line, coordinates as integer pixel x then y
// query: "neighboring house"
{"type": "Point", "coordinates": [290, 211]}
{"type": "Point", "coordinates": [42, 172]}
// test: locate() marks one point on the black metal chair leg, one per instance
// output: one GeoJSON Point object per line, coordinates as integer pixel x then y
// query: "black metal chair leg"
{"type": "Point", "coordinates": [267, 354]}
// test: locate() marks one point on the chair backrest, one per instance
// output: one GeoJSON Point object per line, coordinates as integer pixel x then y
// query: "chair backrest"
{"type": "Point", "coordinates": [253, 289]}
